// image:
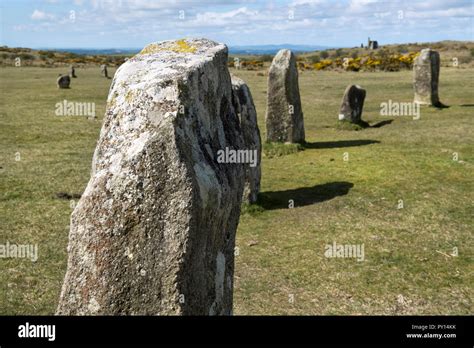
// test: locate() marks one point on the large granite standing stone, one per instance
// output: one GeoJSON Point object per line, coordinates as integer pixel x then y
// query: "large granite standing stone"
{"type": "Point", "coordinates": [245, 108]}
{"type": "Point", "coordinates": [154, 231]}
{"type": "Point", "coordinates": [352, 105]}
{"type": "Point", "coordinates": [426, 77]}
{"type": "Point", "coordinates": [63, 81]}
{"type": "Point", "coordinates": [284, 116]}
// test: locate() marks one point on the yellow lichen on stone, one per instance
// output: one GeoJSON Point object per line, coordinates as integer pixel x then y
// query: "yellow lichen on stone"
{"type": "Point", "coordinates": [183, 46]}
{"type": "Point", "coordinates": [180, 46]}
{"type": "Point", "coordinates": [152, 48]}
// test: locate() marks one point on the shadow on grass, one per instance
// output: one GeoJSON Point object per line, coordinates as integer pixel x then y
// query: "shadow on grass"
{"type": "Point", "coordinates": [440, 105]}
{"type": "Point", "coordinates": [303, 196]}
{"type": "Point", "coordinates": [381, 124]}
{"type": "Point", "coordinates": [339, 143]}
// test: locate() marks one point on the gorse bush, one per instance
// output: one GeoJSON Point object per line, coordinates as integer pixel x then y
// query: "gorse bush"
{"type": "Point", "coordinates": [26, 56]}
{"type": "Point", "coordinates": [382, 61]}
{"type": "Point", "coordinates": [314, 59]}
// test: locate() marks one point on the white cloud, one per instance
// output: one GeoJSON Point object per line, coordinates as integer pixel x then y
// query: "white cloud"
{"type": "Point", "coordinates": [230, 18]}
{"type": "Point", "coordinates": [329, 22]}
{"type": "Point", "coordinates": [40, 15]}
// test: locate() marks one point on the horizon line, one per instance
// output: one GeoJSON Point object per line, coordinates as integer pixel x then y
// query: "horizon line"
{"type": "Point", "coordinates": [230, 46]}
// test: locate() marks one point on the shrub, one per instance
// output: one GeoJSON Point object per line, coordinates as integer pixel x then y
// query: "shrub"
{"type": "Point", "coordinates": [304, 66]}
{"type": "Point", "coordinates": [323, 64]}
{"type": "Point", "coordinates": [339, 53]}
{"type": "Point", "coordinates": [251, 64]}
{"type": "Point", "coordinates": [465, 59]}
{"type": "Point", "coordinates": [47, 54]}
{"type": "Point", "coordinates": [26, 56]}
{"type": "Point", "coordinates": [314, 59]}
{"type": "Point", "coordinates": [352, 64]}
{"type": "Point", "coordinates": [402, 49]}
{"type": "Point", "coordinates": [266, 58]}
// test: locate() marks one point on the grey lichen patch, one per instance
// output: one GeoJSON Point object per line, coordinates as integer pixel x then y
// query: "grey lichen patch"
{"type": "Point", "coordinates": [219, 284]}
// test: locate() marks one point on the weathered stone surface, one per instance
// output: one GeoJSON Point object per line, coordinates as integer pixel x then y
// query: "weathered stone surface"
{"type": "Point", "coordinates": [284, 116]}
{"type": "Point", "coordinates": [245, 108]}
{"type": "Point", "coordinates": [352, 105]}
{"type": "Point", "coordinates": [154, 231]}
{"type": "Point", "coordinates": [63, 81]}
{"type": "Point", "coordinates": [426, 76]}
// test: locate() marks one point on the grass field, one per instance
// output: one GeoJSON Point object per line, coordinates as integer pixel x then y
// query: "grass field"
{"type": "Point", "coordinates": [280, 266]}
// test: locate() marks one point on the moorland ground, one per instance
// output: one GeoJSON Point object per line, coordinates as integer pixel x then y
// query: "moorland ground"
{"type": "Point", "coordinates": [280, 267]}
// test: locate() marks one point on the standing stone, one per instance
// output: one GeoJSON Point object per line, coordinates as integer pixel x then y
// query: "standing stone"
{"type": "Point", "coordinates": [103, 70]}
{"type": "Point", "coordinates": [245, 108]}
{"type": "Point", "coordinates": [236, 62]}
{"type": "Point", "coordinates": [426, 76]}
{"type": "Point", "coordinates": [284, 116]}
{"type": "Point", "coordinates": [63, 81]}
{"type": "Point", "coordinates": [72, 71]}
{"type": "Point", "coordinates": [352, 105]}
{"type": "Point", "coordinates": [154, 231]}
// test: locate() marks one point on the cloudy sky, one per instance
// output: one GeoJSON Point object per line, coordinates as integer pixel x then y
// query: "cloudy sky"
{"type": "Point", "coordinates": [134, 23]}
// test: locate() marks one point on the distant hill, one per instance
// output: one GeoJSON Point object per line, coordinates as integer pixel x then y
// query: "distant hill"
{"type": "Point", "coordinates": [243, 50]}
{"type": "Point", "coordinates": [273, 49]}
{"type": "Point", "coordinates": [452, 52]}
{"type": "Point", "coordinates": [95, 51]}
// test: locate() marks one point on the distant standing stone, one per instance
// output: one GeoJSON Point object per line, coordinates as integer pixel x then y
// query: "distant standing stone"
{"type": "Point", "coordinates": [245, 109]}
{"type": "Point", "coordinates": [284, 116]}
{"type": "Point", "coordinates": [63, 81]}
{"type": "Point", "coordinates": [426, 77]}
{"type": "Point", "coordinates": [103, 70]}
{"type": "Point", "coordinates": [72, 71]}
{"type": "Point", "coordinates": [352, 105]}
{"type": "Point", "coordinates": [154, 230]}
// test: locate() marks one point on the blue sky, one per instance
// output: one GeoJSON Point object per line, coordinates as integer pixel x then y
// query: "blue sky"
{"type": "Point", "coordinates": [135, 23]}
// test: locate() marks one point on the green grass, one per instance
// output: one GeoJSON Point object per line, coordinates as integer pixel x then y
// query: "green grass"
{"type": "Point", "coordinates": [281, 249]}
{"type": "Point", "coordinates": [346, 125]}
{"type": "Point", "coordinates": [271, 149]}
